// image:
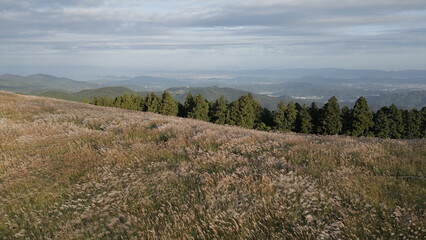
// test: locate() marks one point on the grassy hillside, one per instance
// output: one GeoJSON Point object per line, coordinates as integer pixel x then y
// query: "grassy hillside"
{"type": "Point", "coordinates": [77, 171]}
{"type": "Point", "coordinates": [91, 93]}
{"type": "Point", "coordinates": [37, 82]}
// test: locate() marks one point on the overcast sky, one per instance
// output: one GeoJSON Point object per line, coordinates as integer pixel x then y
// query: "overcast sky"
{"type": "Point", "coordinates": [201, 34]}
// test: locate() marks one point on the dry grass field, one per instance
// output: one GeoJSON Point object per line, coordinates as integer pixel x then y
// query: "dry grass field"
{"type": "Point", "coordinates": [78, 171]}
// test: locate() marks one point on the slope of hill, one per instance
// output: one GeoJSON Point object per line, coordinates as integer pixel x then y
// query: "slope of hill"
{"type": "Point", "coordinates": [110, 92]}
{"type": "Point", "coordinates": [39, 82]}
{"type": "Point", "coordinates": [77, 171]}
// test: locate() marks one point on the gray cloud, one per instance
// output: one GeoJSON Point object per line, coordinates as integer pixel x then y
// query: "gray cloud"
{"type": "Point", "coordinates": [267, 28]}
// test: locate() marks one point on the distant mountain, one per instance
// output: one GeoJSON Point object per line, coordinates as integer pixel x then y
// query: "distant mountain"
{"type": "Point", "coordinates": [41, 82]}
{"type": "Point", "coordinates": [110, 92]}
{"type": "Point", "coordinates": [213, 93]}
{"type": "Point", "coordinates": [150, 83]}
{"type": "Point", "coordinates": [336, 72]}
{"type": "Point", "coordinates": [406, 100]}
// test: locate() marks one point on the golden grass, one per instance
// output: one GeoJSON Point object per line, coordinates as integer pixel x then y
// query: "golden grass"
{"type": "Point", "coordinates": [77, 171]}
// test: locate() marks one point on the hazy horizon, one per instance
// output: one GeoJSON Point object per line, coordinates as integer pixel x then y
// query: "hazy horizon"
{"type": "Point", "coordinates": [211, 35]}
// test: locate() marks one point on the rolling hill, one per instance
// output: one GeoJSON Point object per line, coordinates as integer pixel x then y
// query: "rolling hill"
{"type": "Point", "coordinates": [110, 92]}
{"type": "Point", "coordinates": [38, 83]}
{"type": "Point", "coordinates": [76, 171]}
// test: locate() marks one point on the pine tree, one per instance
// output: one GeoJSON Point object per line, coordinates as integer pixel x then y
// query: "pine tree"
{"type": "Point", "coordinates": [200, 108]}
{"type": "Point", "coordinates": [220, 111]}
{"type": "Point", "coordinates": [382, 123]}
{"type": "Point", "coordinates": [314, 112]}
{"type": "Point", "coordinates": [152, 103]}
{"type": "Point", "coordinates": [188, 105]}
{"type": "Point", "coordinates": [139, 103]}
{"type": "Point", "coordinates": [396, 122]}
{"type": "Point", "coordinates": [279, 116]}
{"type": "Point", "coordinates": [243, 112]}
{"type": "Point", "coordinates": [412, 120]}
{"type": "Point", "coordinates": [361, 118]}
{"type": "Point", "coordinates": [346, 120]}
{"type": "Point", "coordinates": [168, 105]}
{"type": "Point", "coordinates": [290, 116]}
{"type": "Point", "coordinates": [266, 120]}
{"type": "Point", "coordinates": [330, 118]}
{"type": "Point", "coordinates": [303, 120]}
{"type": "Point", "coordinates": [95, 101]}
{"type": "Point", "coordinates": [423, 124]}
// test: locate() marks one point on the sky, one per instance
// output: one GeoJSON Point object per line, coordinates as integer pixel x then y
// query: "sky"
{"type": "Point", "coordinates": [219, 34]}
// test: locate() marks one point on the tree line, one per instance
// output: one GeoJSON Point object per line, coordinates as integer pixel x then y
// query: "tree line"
{"type": "Point", "coordinates": [388, 122]}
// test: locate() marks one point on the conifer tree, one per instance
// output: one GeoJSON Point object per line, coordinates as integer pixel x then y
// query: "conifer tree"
{"type": "Point", "coordinates": [381, 123]}
{"type": "Point", "coordinates": [242, 112]}
{"type": "Point", "coordinates": [220, 111]}
{"type": "Point", "coordinates": [290, 116]}
{"type": "Point", "coordinates": [188, 105]}
{"type": "Point", "coordinates": [423, 124]}
{"type": "Point", "coordinates": [303, 120]}
{"type": "Point", "coordinates": [346, 121]}
{"type": "Point", "coordinates": [361, 118]}
{"type": "Point", "coordinates": [330, 118]}
{"type": "Point", "coordinates": [118, 101]}
{"type": "Point", "coordinates": [396, 124]}
{"type": "Point", "coordinates": [168, 105]}
{"type": "Point", "coordinates": [314, 112]}
{"type": "Point", "coordinates": [412, 120]}
{"type": "Point", "coordinates": [279, 117]}
{"type": "Point", "coordinates": [139, 103]}
{"type": "Point", "coordinates": [95, 101]}
{"type": "Point", "coordinates": [200, 109]}
{"type": "Point", "coordinates": [266, 120]}
{"type": "Point", "coordinates": [152, 103]}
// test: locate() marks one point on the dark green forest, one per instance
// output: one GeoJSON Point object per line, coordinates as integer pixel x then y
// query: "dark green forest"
{"type": "Point", "coordinates": [387, 122]}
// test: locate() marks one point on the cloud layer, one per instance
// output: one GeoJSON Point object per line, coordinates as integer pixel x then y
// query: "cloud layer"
{"type": "Point", "coordinates": [195, 33]}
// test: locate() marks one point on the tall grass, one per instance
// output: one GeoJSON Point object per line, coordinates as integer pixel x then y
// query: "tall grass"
{"type": "Point", "coordinates": [76, 171]}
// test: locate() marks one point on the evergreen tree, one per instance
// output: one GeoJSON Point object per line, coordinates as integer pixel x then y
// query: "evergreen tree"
{"type": "Point", "coordinates": [188, 105]}
{"type": "Point", "coordinates": [266, 120]}
{"type": "Point", "coordinates": [279, 116]}
{"type": "Point", "coordinates": [118, 101]}
{"type": "Point", "coordinates": [304, 120]}
{"type": "Point", "coordinates": [361, 118]}
{"type": "Point", "coordinates": [423, 124]}
{"type": "Point", "coordinates": [382, 123]}
{"type": "Point", "coordinates": [234, 108]}
{"type": "Point", "coordinates": [315, 113]}
{"type": "Point", "coordinates": [220, 111]}
{"type": "Point", "coordinates": [346, 120]}
{"type": "Point", "coordinates": [182, 110]}
{"type": "Point", "coordinates": [200, 109]}
{"type": "Point", "coordinates": [412, 120]}
{"type": "Point", "coordinates": [168, 105]}
{"type": "Point", "coordinates": [290, 116]}
{"type": "Point", "coordinates": [139, 103]}
{"type": "Point", "coordinates": [243, 112]}
{"type": "Point", "coordinates": [95, 101]}
{"type": "Point", "coordinates": [330, 118]}
{"type": "Point", "coordinates": [396, 122]}
{"type": "Point", "coordinates": [152, 103]}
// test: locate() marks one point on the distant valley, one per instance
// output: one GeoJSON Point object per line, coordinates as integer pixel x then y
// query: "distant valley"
{"type": "Point", "coordinates": [406, 89]}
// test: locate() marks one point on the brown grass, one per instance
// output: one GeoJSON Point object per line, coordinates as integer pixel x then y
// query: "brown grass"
{"type": "Point", "coordinates": [77, 171]}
